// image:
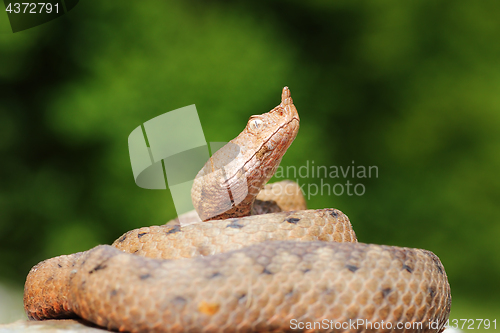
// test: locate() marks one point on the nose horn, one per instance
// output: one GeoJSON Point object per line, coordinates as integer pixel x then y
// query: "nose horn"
{"type": "Point", "coordinates": [286, 99]}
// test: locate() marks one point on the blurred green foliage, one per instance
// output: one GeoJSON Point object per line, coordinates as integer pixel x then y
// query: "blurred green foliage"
{"type": "Point", "coordinates": [410, 87]}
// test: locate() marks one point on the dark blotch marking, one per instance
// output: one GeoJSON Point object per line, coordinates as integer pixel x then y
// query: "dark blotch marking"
{"type": "Point", "coordinates": [408, 268]}
{"type": "Point", "coordinates": [113, 292]}
{"type": "Point", "coordinates": [216, 274]}
{"type": "Point", "coordinates": [293, 220]}
{"type": "Point", "coordinates": [306, 270]}
{"type": "Point", "coordinates": [145, 276]}
{"type": "Point", "coordinates": [289, 294]}
{"type": "Point", "coordinates": [265, 271]}
{"type": "Point", "coordinates": [432, 291]}
{"type": "Point", "coordinates": [122, 238]}
{"type": "Point", "coordinates": [175, 228]}
{"type": "Point", "coordinates": [436, 261]}
{"type": "Point", "coordinates": [234, 224]}
{"type": "Point", "coordinates": [98, 268]}
{"type": "Point", "coordinates": [179, 301]}
{"type": "Point", "coordinates": [352, 268]}
{"type": "Point", "coordinates": [386, 291]}
{"type": "Point", "coordinates": [438, 266]}
{"type": "Point", "coordinates": [136, 251]}
{"type": "Point", "coordinates": [334, 214]}
{"type": "Point", "coordinates": [242, 296]}
{"type": "Point", "coordinates": [59, 265]}
{"type": "Point", "coordinates": [141, 234]}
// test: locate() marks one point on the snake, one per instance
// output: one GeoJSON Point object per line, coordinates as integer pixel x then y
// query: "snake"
{"type": "Point", "coordinates": [252, 262]}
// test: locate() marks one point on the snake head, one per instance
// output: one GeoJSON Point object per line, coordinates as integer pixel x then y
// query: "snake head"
{"type": "Point", "coordinates": [231, 179]}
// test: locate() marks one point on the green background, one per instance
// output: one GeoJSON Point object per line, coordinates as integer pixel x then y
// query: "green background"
{"type": "Point", "coordinates": [410, 87]}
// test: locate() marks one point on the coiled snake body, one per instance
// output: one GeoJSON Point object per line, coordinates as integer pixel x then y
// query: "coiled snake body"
{"type": "Point", "coordinates": [273, 272]}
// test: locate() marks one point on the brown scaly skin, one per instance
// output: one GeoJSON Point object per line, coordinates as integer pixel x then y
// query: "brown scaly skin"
{"type": "Point", "coordinates": [261, 282]}
{"type": "Point", "coordinates": [204, 239]}
{"type": "Point", "coordinates": [262, 287]}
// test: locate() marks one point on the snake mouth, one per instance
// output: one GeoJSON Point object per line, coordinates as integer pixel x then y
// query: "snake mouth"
{"type": "Point", "coordinates": [286, 133]}
{"type": "Point", "coordinates": [287, 130]}
{"type": "Point", "coordinates": [277, 141]}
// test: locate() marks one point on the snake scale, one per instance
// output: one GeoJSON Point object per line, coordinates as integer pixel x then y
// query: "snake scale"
{"type": "Point", "coordinates": [248, 267]}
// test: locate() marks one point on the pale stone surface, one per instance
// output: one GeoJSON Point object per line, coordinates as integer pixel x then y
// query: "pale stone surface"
{"type": "Point", "coordinates": [11, 304]}
{"type": "Point", "coordinates": [69, 325]}
{"type": "Point", "coordinates": [62, 325]}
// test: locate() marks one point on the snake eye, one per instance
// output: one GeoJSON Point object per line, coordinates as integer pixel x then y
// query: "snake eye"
{"type": "Point", "coordinates": [255, 124]}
